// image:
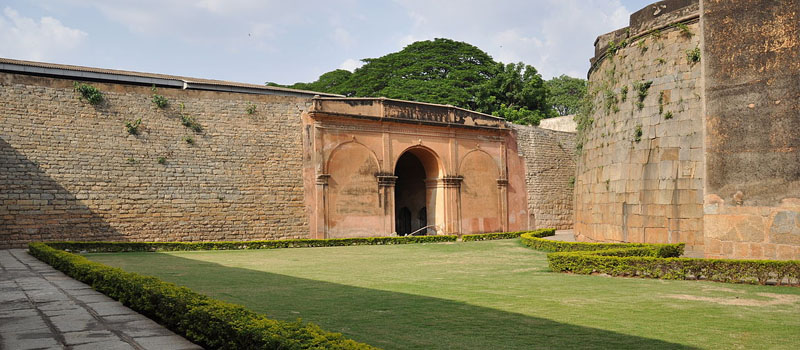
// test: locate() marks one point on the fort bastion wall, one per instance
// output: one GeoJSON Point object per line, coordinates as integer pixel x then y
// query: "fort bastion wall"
{"type": "Point", "coordinates": [752, 73]}
{"type": "Point", "coordinates": [639, 175]}
{"type": "Point", "coordinates": [693, 135]}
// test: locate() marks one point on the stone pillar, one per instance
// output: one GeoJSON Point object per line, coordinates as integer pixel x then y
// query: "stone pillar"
{"type": "Point", "coordinates": [502, 186]}
{"type": "Point", "coordinates": [452, 204]}
{"type": "Point", "coordinates": [386, 190]}
{"type": "Point", "coordinates": [322, 206]}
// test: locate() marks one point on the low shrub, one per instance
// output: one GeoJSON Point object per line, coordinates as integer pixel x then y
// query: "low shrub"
{"type": "Point", "coordinates": [210, 323]}
{"type": "Point", "coordinates": [288, 243]}
{"type": "Point", "coordinates": [158, 100]}
{"type": "Point", "coordinates": [536, 241]}
{"type": "Point", "coordinates": [189, 122]}
{"type": "Point", "coordinates": [659, 261]}
{"type": "Point", "coordinates": [505, 235]}
{"type": "Point", "coordinates": [640, 262]}
{"type": "Point", "coordinates": [89, 93]}
{"type": "Point", "coordinates": [133, 126]}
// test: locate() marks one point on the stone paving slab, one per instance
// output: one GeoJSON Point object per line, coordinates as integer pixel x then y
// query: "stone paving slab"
{"type": "Point", "coordinates": [563, 235]}
{"type": "Point", "coordinates": [41, 308]}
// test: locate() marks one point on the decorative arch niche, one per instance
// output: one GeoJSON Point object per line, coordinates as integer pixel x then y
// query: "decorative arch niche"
{"type": "Point", "coordinates": [354, 201]}
{"type": "Point", "coordinates": [480, 195]}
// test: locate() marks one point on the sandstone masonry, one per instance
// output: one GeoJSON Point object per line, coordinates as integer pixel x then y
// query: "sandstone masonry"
{"type": "Point", "coordinates": [693, 133]}
{"type": "Point", "coordinates": [549, 174]}
{"type": "Point", "coordinates": [71, 171]}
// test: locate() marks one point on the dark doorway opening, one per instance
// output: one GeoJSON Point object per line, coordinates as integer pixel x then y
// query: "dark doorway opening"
{"type": "Point", "coordinates": [411, 213]}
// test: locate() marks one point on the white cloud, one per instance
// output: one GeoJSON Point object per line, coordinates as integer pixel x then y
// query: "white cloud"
{"type": "Point", "coordinates": [351, 64]}
{"type": "Point", "coordinates": [555, 36]}
{"type": "Point", "coordinates": [26, 38]}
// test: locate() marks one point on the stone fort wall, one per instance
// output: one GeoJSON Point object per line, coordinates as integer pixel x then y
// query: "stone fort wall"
{"type": "Point", "coordinates": [71, 171]}
{"type": "Point", "coordinates": [691, 108]}
{"type": "Point", "coordinates": [640, 175]}
{"type": "Point", "coordinates": [752, 89]}
{"type": "Point", "coordinates": [549, 157]}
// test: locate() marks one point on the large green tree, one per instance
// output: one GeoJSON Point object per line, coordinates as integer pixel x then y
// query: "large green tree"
{"type": "Point", "coordinates": [332, 82]}
{"type": "Point", "coordinates": [444, 71]}
{"type": "Point", "coordinates": [516, 93]}
{"type": "Point", "coordinates": [565, 94]}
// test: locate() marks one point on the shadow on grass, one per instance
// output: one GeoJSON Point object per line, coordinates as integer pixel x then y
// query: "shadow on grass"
{"type": "Point", "coordinates": [385, 319]}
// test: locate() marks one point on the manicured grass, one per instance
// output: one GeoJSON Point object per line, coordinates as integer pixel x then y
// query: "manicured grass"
{"type": "Point", "coordinates": [478, 295]}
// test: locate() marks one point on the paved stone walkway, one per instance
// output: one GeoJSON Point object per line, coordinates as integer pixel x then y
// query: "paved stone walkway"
{"type": "Point", "coordinates": [41, 308]}
{"type": "Point", "coordinates": [563, 235]}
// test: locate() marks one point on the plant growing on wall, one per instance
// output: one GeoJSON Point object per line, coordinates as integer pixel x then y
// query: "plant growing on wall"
{"type": "Point", "coordinates": [660, 102]}
{"type": "Point", "coordinates": [158, 100]}
{"type": "Point", "coordinates": [685, 31]}
{"type": "Point", "coordinates": [162, 160]}
{"type": "Point", "coordinates": [188, 139]}
{"type": "Point", "coordinates": [623, 93]}
{"type": "Point", "coordinates": [251, 109]}
{"type": "Point", "coordinates": [133, 126]}
{"type": "Point", "coordinates": [584, 119]}
{"type": "Point", "coordinates": [642, 45]}
{"type": "Point", "coordinates": [641, 88]}
{"type": "Point", "coordinates": [668, 115]}
{"type": "Point", "coordinates": [89, 92]}
{"type": "Point", "coordinates": [655, 33]}
{"type": "Point", "coordinates": [693, 55]}
{"type": "Point", "coordinates": [189, 121]}
{"type": "Point", "coordinates": [637, 133]}
{"type": "Point", "coordinates": [610, 101]}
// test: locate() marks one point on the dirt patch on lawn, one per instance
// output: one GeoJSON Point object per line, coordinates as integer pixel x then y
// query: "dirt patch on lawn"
{"type": "Point", "coordinates": [774, 299]}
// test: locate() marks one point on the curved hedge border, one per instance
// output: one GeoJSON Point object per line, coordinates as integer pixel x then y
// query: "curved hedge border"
{"type": "Point", "coordinates": [535, 240]}
{"type": "Point", "coordinates": [210, 323]}
{"type": "Point", "coordinates": [289, 243]}
{"type": "Point", "coordinates": [503, 235]}
{"type": "Point", "coordinates": [658, 261]}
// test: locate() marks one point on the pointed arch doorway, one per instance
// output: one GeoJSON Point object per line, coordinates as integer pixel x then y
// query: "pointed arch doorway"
{"type": "Point", "coordinates": [418, 201]}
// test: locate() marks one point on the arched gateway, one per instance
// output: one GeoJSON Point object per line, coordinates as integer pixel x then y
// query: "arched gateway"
{"type": "Point", "coordinates": [380, 167]}
{"type": "Point", "coordinates": [415, 195]}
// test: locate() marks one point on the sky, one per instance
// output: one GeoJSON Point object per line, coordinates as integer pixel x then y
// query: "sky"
{"type": "Point", "coordinates": [285, 41]}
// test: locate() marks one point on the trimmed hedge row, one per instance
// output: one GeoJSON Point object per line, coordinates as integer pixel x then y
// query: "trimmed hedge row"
{"type": "Point", "coordinates": [641, 262]}
{"type": "Point", "coordinates": [658, 261]}
{"type": "Point", "coordinates": [209, 323]}
{"type": "Point", "coordinates": [505, 235]}
{"type": "Point", "coordinates": [537, 242]}
{"type": "Point", "coordinates": [289, 243]}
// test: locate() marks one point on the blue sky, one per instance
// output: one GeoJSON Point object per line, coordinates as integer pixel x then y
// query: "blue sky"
{"type": "Point", "coordinates": [289, 41]}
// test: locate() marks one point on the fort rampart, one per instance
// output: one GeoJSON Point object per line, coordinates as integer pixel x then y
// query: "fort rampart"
{"type": "Point", "coordinates": [222, 161]}
{"type": "Point", "coordinates": [72, 171]}
{"type": "Point", "coordinates": [692, 137]}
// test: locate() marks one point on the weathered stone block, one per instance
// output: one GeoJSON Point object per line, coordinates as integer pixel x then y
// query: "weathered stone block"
{"type": "Point", "coordinates": [785, 228]}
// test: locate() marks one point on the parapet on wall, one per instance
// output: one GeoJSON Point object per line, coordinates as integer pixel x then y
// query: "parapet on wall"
{"type": "Point", "coordinates": [693, 133]}
{"type": "Point", "coordinates": [71, 171]}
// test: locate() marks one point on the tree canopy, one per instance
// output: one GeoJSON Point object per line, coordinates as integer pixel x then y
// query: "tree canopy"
{"type": "Point", "coordinates": [445, 71]}
{"type": "Point", "coordinates": [565, 94]}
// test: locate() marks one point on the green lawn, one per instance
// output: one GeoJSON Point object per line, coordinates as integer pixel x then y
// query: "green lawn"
{"type": "Point", "coordinates": [478, 295]}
